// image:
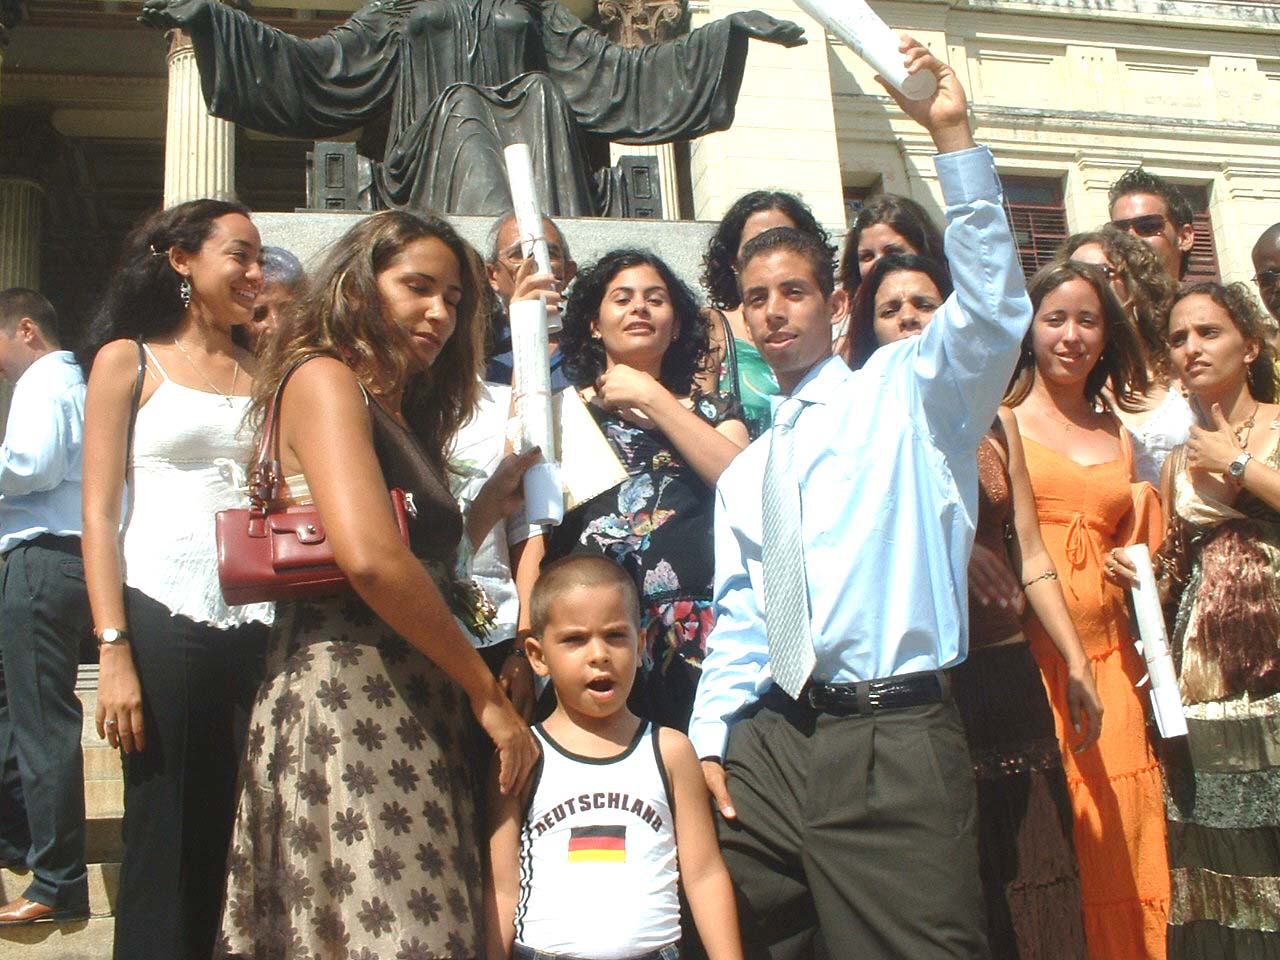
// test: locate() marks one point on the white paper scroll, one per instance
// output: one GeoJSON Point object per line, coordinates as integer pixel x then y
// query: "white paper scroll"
{"type": "Point", "coordinates": [861, 29]}
{"type": "Point", "coordinates": [1153, 642]}
{"type": "Point", "coordinates": [534, 421]}
{"type": "Point", "coordinates": [524, 200]}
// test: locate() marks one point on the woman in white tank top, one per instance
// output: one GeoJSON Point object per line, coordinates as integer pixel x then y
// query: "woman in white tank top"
{"type": "Point", "coordinates": [179, 667]}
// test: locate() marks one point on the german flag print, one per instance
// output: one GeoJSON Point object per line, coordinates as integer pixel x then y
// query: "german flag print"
{"type": "Point", "coordinates": [598, 844]}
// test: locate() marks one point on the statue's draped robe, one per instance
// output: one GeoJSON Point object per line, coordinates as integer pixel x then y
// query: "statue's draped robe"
{"type": "Point", "coordinates": [461, 79]}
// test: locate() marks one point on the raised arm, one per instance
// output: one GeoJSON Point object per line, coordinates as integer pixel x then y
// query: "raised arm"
{"type": "Point", "coordinates": [707, 449]}
{"type": "Point", "coordinates": [325, 425]}
{"type": "Point", "coordinates": [962, 362]}
{"type": "Point", "coordinates": [335, 82]}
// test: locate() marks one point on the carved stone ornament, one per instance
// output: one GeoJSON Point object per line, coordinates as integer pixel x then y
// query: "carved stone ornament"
{"type": "Point", "coordinates": [634, 23]}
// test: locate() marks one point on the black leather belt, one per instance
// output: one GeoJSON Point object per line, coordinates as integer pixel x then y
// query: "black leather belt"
{"type": "Point", "coordinates": [868, 696]}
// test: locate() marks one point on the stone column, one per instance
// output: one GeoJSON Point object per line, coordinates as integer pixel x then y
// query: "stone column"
{"type": "Point", "coordinates": [21, 207]}
{"type": "Point", "coordinates": [199, 150]}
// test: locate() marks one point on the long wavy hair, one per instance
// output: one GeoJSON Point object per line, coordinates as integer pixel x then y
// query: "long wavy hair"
{"type": "Point", "coordinates": [902, 215]}
{"type": "Point", "coordinates": [862, 342]}
{"type": "Point", "coordinates": [142, 300]}
{"type": "Point", "coordinates": [1122, 363]}
{"type": "Point", "coordinates": [719, 263]}
{"type": "Point", "coordinates": [342, 316]}
{"type": "Point", "coordinates": [584, 356]}
{"type": "Point", "coordinates": [1237, 300]}
{"type": "Point", "coordinates": [1151, 290]}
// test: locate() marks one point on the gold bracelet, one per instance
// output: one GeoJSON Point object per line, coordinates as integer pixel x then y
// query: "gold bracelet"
{"type": "Point", "coordinates": [1047, 575]}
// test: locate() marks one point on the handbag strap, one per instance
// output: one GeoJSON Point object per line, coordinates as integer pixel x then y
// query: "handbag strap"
{"type": "Point", "coordinates": [730, 355]}
{"type": "Point", "coordinates": [133, 407]}
{"type": "Point", "coordinates": [265, 475]}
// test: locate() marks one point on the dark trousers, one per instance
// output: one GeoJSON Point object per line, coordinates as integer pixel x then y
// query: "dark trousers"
{"type": "Point", "coordinates": [15, 834]}
{"type": "Point", "coordinates": [44, 615]}
{"type": "Point", "coordinates": [856, 834]}
{"type": "Point", "coordinates": [198, 687]}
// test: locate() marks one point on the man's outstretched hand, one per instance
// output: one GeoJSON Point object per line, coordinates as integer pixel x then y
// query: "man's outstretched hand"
{"type": "Point", "coordinates": [945, 114]}
{"type": "Point", "coordinates": [760, 25]}
{"type": "Point", "coordinates": [171, 14]}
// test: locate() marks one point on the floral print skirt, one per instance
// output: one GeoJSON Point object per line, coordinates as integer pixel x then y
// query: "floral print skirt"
{"type": "Point", "coordinates": [354, 834]}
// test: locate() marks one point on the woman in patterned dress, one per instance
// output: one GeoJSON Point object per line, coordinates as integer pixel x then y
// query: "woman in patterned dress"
{"type": "Point", "coordinates": [354, 834]}
{"type": "Point", "coordinates": [1224, 778]}
{"type": "Point", "coordinates": [633, 342]}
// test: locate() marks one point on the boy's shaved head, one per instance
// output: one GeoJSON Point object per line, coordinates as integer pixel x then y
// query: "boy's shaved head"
{"type": "Point", "coordinates": [578, 570]}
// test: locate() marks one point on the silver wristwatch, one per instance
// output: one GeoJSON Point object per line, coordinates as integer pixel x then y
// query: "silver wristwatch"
{"type": "Point", "coordinates": [111, 636]}
{"type": "Point", "coordinates": [1236, 470]}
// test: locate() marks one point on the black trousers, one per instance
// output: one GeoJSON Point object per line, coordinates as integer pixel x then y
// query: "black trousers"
{"type": "Point", "coordinates": [44, 616]}
{"type": "Point", "coordinates": [854, 834]}
{"type": "Point", "coordinates": [198, 687]}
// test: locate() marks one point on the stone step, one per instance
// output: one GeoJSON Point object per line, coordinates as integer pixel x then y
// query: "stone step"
{"type": "Point", "coordinates": [103, 841]}
{"type": "Point", "coordinates": [84, 940]}
{"type": "Point", "coordinates": [104, 799]}
{"type": "Point", "coordinates": [104, 884]}
{"type": "Point", "coordinates": [101, 763]}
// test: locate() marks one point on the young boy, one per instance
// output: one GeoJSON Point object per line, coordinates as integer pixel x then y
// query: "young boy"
{"type": "Point", "coordinates": [584, 861]}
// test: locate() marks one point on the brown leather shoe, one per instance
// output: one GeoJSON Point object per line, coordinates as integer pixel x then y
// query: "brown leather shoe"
{"type": "Point", "coordinates": [22, 911]}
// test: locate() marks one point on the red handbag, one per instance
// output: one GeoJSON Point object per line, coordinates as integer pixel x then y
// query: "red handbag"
{"type": "Point", "coordinates": [268, 552]}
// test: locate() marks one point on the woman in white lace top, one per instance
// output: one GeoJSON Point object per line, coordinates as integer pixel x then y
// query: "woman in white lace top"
{"type": "Point", "coordinates": [179, 667]}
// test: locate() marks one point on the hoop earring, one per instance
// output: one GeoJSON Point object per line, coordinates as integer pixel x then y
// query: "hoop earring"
{"type": "Point", "coordinates": [184, 292]}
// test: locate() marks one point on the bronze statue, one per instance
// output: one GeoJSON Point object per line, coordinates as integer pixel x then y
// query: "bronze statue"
{"type": "Point", "coordinates": [463, 78]}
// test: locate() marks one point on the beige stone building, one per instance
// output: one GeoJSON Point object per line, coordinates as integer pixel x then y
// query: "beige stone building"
{"type": "Point", "coordinates": [100, 120]}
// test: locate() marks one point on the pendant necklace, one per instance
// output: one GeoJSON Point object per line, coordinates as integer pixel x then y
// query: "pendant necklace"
{"type": "Point", "coordinates": [230, 398]}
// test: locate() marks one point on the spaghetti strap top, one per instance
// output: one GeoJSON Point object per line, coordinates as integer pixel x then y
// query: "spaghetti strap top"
{"type": "Point", "coordinates": [188, 461]}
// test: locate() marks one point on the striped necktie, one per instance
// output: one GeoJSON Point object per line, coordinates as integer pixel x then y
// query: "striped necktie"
{"type": "Point", "coordinates": [786, 591]}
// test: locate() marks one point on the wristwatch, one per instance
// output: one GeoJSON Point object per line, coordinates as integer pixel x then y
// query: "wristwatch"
{"type": "Point", "coordinates": [1236, 470]}
{"type": "Point", "coordinates": [110, 636]}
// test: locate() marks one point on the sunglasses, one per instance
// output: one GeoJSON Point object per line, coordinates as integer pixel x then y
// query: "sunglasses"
{"type": "Point", "coordinates": [1267, 278]}
{"type": "Point", "coordinates": [1147, 225]}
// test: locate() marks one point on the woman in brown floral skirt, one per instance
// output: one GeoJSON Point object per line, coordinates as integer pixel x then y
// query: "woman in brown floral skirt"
{"type": "Point", "coordinates": [354, 834]}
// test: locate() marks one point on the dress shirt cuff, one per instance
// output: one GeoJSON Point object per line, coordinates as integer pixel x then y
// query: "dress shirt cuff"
{"type": "Point", "coordinates": [709, 738]}
{"type": "Point", "coordinates": [967, 175]}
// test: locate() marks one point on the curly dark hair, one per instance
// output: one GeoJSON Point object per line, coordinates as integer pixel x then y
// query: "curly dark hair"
{"type": "Point", "coordinates": [1150, 289]}
{"type": "Point", "coordinates": [584, 356]}
{"type": "Point", "coordinates": [901, 214]}
{"type": "Point", "coordinates": [1122, 364]}
{"type": "Point", "coordinates": [1138, 180]}
{"type": "Point", "coordinates": [719, 276]}
{"type": "Point", "coordinates": [862, 340]}
{"type": "Point", "coordinates": [1237, 300]}
{"type": "Point", "coordinates": [142, 299]}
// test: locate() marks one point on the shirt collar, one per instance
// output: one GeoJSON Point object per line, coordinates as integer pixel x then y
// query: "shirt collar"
{"type": "Point", "coordinates": [819, 385]}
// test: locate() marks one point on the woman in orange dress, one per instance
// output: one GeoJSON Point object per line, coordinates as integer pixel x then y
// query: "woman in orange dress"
{"type": "Point", "coordinates": [1081, 466]}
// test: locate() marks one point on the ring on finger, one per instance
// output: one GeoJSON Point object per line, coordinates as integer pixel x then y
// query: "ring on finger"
{"type": "Point", "coordinates": [109, 723]}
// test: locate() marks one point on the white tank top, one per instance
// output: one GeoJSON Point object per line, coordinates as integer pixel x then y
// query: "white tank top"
{"type": "Point", "coordinates": [598, 873]}
{"type": "Point", "coordinates": [189, 455]}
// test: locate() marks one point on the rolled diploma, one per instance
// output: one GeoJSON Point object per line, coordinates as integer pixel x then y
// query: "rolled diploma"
{"type": "Point", "coordinates": [1166, 701]}
{"type": "Point", "coordinates": [524, 200]}
{"type": "Point", "coordinates": [861, 29]}
{"type": "Point", "coordinates": [531, 382]}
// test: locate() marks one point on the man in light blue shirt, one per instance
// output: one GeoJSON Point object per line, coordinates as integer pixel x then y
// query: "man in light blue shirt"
{"type": "Point", "coordinates": [44, 610]}
{"type": "Point", "coordinates": [829, 739]}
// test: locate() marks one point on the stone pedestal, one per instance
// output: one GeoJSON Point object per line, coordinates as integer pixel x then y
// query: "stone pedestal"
{"type": "Point", "coordinates": [199, 150]}
{"type": "Point", "coordinates": [21, 208]}
{"type": "Point", "coordinates": [668, 177]}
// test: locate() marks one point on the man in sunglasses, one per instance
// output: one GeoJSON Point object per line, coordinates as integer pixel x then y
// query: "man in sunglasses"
{"type": "Point", "coordinates": [1154, 209]}
{"type": "Point", "coordinates": [1266, 266]}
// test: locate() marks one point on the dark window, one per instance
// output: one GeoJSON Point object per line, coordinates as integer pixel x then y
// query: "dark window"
{"type": "Point", "coordinates": [1038, 218]}
{"type": "Point", "coordinates": [854, 198]}
{"type": "Point", "coordinates": [1203, 262]}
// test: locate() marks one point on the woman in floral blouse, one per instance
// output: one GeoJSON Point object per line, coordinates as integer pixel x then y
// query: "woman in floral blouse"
{"type": "Point", "coordinates": [633, 343]}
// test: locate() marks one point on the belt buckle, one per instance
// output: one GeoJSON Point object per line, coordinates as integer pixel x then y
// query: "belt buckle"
{"type": "Point", "coordinates": [872, 698]}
